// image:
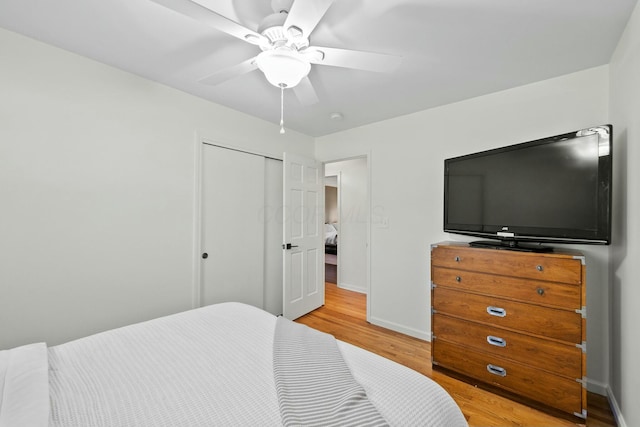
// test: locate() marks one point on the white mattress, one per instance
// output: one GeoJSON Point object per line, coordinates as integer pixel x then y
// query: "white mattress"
{"type": "Point", "coordinates": [212, 366]}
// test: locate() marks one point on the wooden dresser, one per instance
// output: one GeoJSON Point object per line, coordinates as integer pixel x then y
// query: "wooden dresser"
{"type": "Point", "coordinates": [512, 320]}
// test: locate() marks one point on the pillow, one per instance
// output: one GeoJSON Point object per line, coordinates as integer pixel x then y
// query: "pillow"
{"type": "Point", "coordinates": [24, 386]}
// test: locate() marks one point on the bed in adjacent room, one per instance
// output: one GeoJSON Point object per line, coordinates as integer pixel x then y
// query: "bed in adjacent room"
{"type": "Point", "coordinates": [225, 364]}
{"type": "Point", "coordinates": [331, 238]}
{"type": "Point", "coordinates": [331, 252]}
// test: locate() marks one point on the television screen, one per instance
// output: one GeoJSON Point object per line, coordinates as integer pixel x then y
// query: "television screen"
{"type": "Point", "coordinates": [555, 189]}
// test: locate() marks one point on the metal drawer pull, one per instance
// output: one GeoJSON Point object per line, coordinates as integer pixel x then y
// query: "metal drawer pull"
{"type": "Point", "coordinates": [458, 278]}
{"type": "Point", "coordinates": [497, 370]}
{"type": "Point", "coordinates": [496, 311]}
{"type": "Point", "coordinates": [457, 259]}
{"type": "Point", "coordinates": [497, 341]}
{"type": "Point", "coordinates": [539, 267]}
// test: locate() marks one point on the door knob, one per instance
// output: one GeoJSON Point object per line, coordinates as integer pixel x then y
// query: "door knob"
{"type": "Point", "coordinates": [205, 255]}
{"type": "Point", "coordinates": [288, 246]}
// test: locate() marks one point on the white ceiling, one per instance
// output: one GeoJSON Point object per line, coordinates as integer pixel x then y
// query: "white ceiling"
{"type": "Point", "coordinates": [451, 49]}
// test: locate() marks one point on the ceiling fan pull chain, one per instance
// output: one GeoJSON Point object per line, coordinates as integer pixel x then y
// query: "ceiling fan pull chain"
{"type": "Point", "coordinates": [281, 109]}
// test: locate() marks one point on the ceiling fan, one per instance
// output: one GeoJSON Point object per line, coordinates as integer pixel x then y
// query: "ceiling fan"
{"type": "Point", "coordinates": [286, 54]}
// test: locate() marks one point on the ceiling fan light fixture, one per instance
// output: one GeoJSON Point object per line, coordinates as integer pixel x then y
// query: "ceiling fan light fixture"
{"type": "Point", "coordinates": [283, 67]}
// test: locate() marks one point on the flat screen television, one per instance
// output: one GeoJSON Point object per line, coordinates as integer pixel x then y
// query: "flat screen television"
{"type": "Point", "coordinates": [551, 190]}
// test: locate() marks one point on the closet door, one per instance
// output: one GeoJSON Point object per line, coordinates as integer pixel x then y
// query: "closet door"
{"type": "Point", "coordinates": [233, 226]}
{"type": "Point", "coordinates": [273, 236]}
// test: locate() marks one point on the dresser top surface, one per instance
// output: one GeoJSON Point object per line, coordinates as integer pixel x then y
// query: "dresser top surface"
{"type": "Point", "coordinates": [557, 252]}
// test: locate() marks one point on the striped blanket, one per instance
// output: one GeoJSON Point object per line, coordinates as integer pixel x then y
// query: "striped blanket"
{"type": "Point", "coordinates": [314, 384]}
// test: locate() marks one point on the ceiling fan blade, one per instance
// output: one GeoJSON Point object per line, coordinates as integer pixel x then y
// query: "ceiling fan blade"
{"type": "Point", "coordinates": [359, 60]}
{"type": "Point", "coordinates": [305, 92]}
{"type": "Point", "coordinates": [213, 19]}
{"type": "Point", "coordinates": [305, 14]}
{"type": "Point", "coordinates": [229, 73]}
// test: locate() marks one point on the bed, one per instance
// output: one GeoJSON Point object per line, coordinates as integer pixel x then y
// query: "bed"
{"type": "Point", "coordinates": [331, 238]}
{"type": "Point", "coordinates": [215, 365]}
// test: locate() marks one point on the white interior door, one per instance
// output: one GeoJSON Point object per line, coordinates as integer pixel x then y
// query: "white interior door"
{"type": "Point", "coordinates": [303, 259]}
{"type": "Point", "coordinates": [233, 236]}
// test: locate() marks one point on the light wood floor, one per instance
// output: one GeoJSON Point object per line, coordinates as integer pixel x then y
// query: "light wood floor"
{"type": "Point", "coordinates": [344, 316]}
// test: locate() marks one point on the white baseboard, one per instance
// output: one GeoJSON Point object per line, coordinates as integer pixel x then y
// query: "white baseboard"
{"type": "Point", "coordinates": [353, 288]}
{"type": "Point", "coordinates": [615, 408]}
{"type": "Point", "coordinates": [605, 390]}
{"type": "Point", "coordinates": [402, 329]}
{"type": "Point", "coordinates": [597, 387]}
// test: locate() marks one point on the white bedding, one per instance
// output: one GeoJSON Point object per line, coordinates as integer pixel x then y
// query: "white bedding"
{"type": "Point", "coordinates": [24, 395]}
{"type": "Point", "coordinates": [330, 234]}
{"type": "Point", "coordinates": [212, 366]}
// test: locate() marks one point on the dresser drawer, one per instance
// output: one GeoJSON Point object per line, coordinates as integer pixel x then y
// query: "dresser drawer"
{"type": "Point", "coordinates": [526, 290]}
{"type": "Point", "coordinates": [561, 393]}
{"type": "Point", "coordinates": [554, 323]}
{"type": "Point", "coordinates": [547, 267]}
{"type": "Point", "coordinates": [561, 359]}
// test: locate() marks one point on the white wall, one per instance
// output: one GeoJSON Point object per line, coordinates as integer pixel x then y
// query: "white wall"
{"type": "Point", "coordinates": [97, 191]}
{"type": "Point", "coordinates": [625, 251]}
{"type": "Point", "coordinates": [354, 213]}
{"type": "Point", "coordinates": [406, 164]}
{"type": "Point", "coordinates": [97, 179]}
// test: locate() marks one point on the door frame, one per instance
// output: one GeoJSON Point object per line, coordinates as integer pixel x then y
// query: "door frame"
{"type": "Point", "coordinates": [199, 142]}
{"type": "Point", "coordinates": [367, 157]}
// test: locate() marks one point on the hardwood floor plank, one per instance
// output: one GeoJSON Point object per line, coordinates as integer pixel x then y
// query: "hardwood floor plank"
{"type": "Point", "coordinates": [344, 316]}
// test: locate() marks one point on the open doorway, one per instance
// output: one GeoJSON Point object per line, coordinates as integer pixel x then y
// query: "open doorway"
{"type": "Point", "coordinates": [347, 224]}
{"type": "Point", "coordinates": [331, 226]}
